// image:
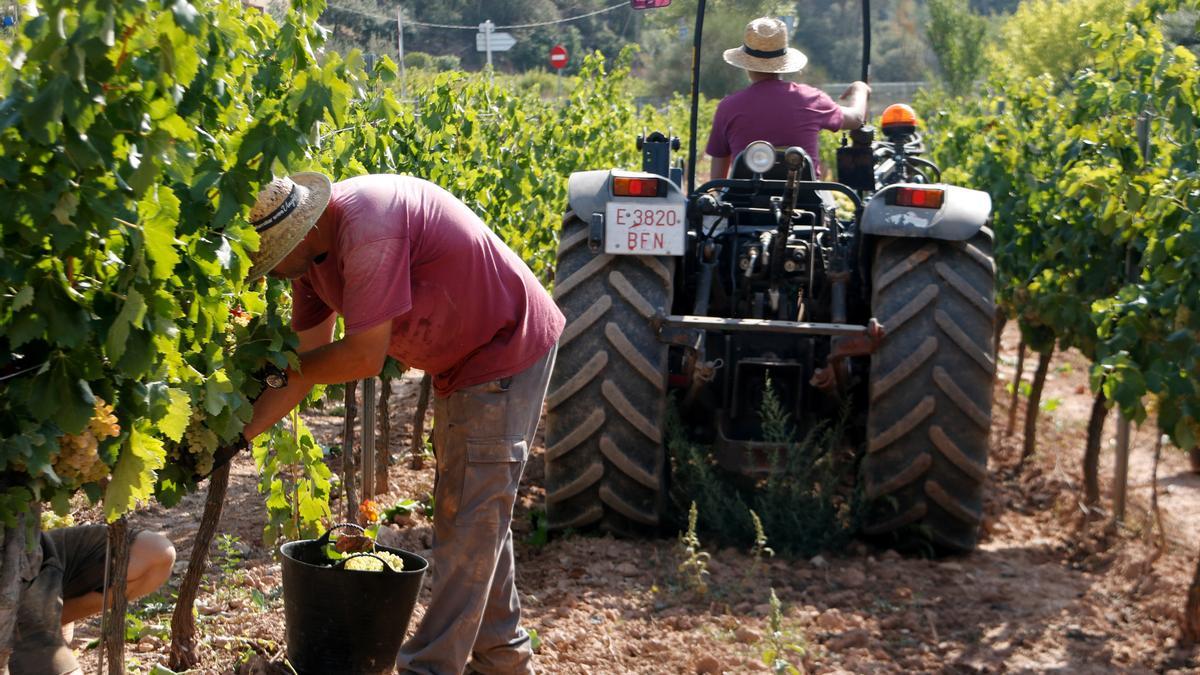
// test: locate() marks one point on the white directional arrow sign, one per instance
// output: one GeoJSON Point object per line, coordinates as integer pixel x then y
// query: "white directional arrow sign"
{"type": "Point", "coordinates": [500, 42]}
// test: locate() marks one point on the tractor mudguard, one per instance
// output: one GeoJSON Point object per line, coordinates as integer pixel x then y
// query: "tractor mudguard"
{"type": "Point", "coordinates": [962, 214]}
{"type": "Point", "coordinates": [589, 191]}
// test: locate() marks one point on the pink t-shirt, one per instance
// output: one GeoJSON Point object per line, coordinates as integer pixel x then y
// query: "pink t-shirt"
{"type": "Point", "coordinates": [777, 111]}
{"type": "Point", "coordinates": [463, 306]}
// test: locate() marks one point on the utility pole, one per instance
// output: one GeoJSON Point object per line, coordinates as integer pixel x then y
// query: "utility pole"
{"type": "Point", "coordinates": [400, 47]}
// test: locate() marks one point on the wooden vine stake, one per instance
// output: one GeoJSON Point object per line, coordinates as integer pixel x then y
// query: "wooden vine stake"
{"type": "Point", "coordinates": [12, 559]}
{"type": "Point", "coordinates": [349, 470]}
{"type": "Point", "coordinates": [112, 622]}
{"type": "Point", "coordinates": [417, 453]}
{"type": "Point", "coordinates": [184, 653]}
{"type": "Point", "coordinates": [1091, 455]}
{"type": "Point", "coordinates": [1191, 613]}
{"type": "Point", "coordinates": [1034, 405]}
{"type": "Point", "coordinates": [368, 440]}
{"type": "Point", "coordinates": [1016, 389]}
{"type": "Point", "coordinates": [383, 447]}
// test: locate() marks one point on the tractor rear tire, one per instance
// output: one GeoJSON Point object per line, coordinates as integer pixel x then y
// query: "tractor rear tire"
{"type": "Point", "coordinates": [930, 392]}
{"type": "Point", "coordinates": [605, 448]}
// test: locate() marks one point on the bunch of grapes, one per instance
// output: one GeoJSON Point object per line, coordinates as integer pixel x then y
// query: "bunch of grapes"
{"type": "Point", "coordinates": [78, 459]}
{"type": "Point", "coordinates": [367, 563]}
{"type": "Point", "coordinates": [198, 445]}
{"type": "Point", "coordinates": [238, 318]}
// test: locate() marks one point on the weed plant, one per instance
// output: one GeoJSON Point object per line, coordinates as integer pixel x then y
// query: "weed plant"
{"type": "Point", "coordinates": [780, 644]}
{"type": "Point", "coordinates": [694, 566]}
{"type": "Point", "coordinates": [806, 504]}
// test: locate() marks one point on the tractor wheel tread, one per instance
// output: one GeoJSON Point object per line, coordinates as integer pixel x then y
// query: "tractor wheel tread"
{"type": "Point", "coordinates": [930, 392]}
{"type": "Point", "coordinates": [589, 516]}
{"type": "Point", "coordinates": [955, 507]}
{"type": "Point", "coordinates": [958, 283]}
{"type": "Point", "coordinates": [613, 500]}
{"type": "Point", "coordinates": [955, 393]}
{"type": "Point", "coordinates": [579, 380]}
{"type": "Point", "coordinates": [620, 342]}
{"type": "Point", "coordinates": [586, 479]}
{"type": "Point", "coordinates": [579, 434]}
{"type": "Point", "coordinates": [593, 314]}
{"type": "Point", "coordinates": [605, 461]}
{"type": "Point", "coordinates": [913, 514]}
{"type": "Point", "coordinates": [627, 464]}
{"type": "Point", "coordinates": [631, 295]}
{"type": "Point", "coordinates": [572, 241]}
{"type": "Point", "coordinates": [889, 275]}
{"type": "Point", "coordinates": [893, 323]}
{"type": "Point", "coordinates": [902, 478]}
{"type": "Point", "coordinates": [593, 267]}
{"type": "Point", "coordinates": [623, 406]}
{"type": "Point", "coordinates": [906, 368]}
{"type": "Point", "coordinates": [959, 336]}
{"type": "Point", "coordinates": [903, 426]}
{"type": "Point", "coordinates": [951, 451]}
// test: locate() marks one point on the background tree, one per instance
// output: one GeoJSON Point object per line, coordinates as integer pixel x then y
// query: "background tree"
{"type": "Point", "coordinates": [955, 34]}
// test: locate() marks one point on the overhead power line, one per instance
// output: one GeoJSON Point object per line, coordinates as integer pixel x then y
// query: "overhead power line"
{"type": "Point", "coordinates": [422, 24]}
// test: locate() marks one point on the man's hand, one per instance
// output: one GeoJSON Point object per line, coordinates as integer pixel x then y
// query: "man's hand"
{"type": "Point", "coordinates": [352, 358]}
{"type": "Point", "coordinates": [854, 113]}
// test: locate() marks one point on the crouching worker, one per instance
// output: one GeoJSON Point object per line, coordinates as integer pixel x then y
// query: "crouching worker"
{"type": "Point", "coordinates": [418, 276]}
{"type": "Point", "coordinates": [68, 585]}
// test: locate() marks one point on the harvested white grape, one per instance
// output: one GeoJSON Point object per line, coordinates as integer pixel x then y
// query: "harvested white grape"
{"type": "Point", "coordinates": [368, 563]}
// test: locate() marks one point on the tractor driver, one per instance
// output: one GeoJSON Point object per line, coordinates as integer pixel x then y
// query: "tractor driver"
{"type": "Point", "coordinates": [773, 109]}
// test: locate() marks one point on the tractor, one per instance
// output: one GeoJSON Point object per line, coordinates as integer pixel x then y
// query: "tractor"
{"type": "Point", "coordinates": [880, 300]}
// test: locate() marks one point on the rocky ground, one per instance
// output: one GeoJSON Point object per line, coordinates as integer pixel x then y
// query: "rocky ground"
{"type": "Point", "coordinates": [1042, 593]}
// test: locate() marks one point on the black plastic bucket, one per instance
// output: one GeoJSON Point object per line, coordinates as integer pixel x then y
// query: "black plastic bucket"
{"type": "Point", "coordinates": [345, 622]}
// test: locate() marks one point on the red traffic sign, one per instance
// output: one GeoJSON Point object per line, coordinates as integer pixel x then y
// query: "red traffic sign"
{"type": "Point", "coordinates": [558, 56]}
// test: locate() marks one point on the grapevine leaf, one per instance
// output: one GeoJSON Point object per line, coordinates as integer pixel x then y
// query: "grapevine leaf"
{"type": "Point", "coordinates": [60, 393]}
{"type": "Point", "coordinates": [133, 477]}
{"type": "Point", "coordinates": [22, 298]}
{"type": "Point", "coordinates": [160, 212]}
{"type": "Point", "coordinates": [132, 313]}
{"type": "Point", "coordinates": [179, 412]}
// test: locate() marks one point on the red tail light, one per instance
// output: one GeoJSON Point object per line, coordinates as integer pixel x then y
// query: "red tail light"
{"type": "Point", "coordinates": [922, 198]}
{"type": "Point", "coordinates": [634, 187]}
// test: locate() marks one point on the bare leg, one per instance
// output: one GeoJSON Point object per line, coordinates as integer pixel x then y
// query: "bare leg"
{"type": "Point", "coordinates": [150, 560]}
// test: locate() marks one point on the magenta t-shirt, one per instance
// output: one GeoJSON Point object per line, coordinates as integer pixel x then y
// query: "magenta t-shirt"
{"type": "Point", "coordinates": [777, 111]}
{"type": "Point", "coordinates": [463, 306]}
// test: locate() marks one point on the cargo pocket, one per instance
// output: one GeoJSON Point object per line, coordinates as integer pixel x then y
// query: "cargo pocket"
{"type": "Point", "coordinates": [490, 482]}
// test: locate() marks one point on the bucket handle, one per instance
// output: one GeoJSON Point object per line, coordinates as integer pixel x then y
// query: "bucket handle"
{"type": "Point", "coordinates": [387, 567]}
{"type": "Point", "coordinates": [324, 539]}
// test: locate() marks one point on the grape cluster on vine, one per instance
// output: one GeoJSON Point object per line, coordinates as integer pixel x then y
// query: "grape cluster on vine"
{"type": "Point", "coordinates": [78, 459]}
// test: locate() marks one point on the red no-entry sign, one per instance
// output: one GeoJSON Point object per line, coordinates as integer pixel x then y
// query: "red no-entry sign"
{"type": "Point", "coordinates": [558, 57]}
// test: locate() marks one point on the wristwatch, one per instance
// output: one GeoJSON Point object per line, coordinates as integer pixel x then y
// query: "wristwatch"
{"type": "Point", "coordinates": [274, 377]}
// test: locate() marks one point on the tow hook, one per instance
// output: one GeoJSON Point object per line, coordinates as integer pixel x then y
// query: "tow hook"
{"type": "Point", "coordinates": [833, 376]}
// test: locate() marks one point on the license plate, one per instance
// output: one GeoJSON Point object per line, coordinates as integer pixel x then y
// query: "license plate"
{"type": "Point", "coordinates": [644, 228]}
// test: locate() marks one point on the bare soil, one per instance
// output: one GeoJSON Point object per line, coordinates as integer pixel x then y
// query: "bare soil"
{"type": "Point", "coordinates": [1045, 592]}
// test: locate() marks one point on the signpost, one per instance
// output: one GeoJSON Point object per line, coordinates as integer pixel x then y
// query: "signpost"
{"type": "Point", "coordinates": [487, 40]}
{"type": "Point", "coordinates": [558, 61]}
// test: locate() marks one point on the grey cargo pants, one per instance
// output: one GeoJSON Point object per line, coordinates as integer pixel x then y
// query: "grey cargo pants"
{"type": "Point", "coordinates": [481, 440]}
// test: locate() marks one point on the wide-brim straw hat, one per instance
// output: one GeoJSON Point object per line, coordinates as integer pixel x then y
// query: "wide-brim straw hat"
{"type": "Point", "coordinates": [285, 211]}
{"type": "Point", "coordinates": [765, 49]}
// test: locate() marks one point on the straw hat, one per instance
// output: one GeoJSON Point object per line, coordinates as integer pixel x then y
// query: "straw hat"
{"type": "Point", "coordinates": [765, 49]}
{"type": "Point", "coordinates": [286, 210]}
